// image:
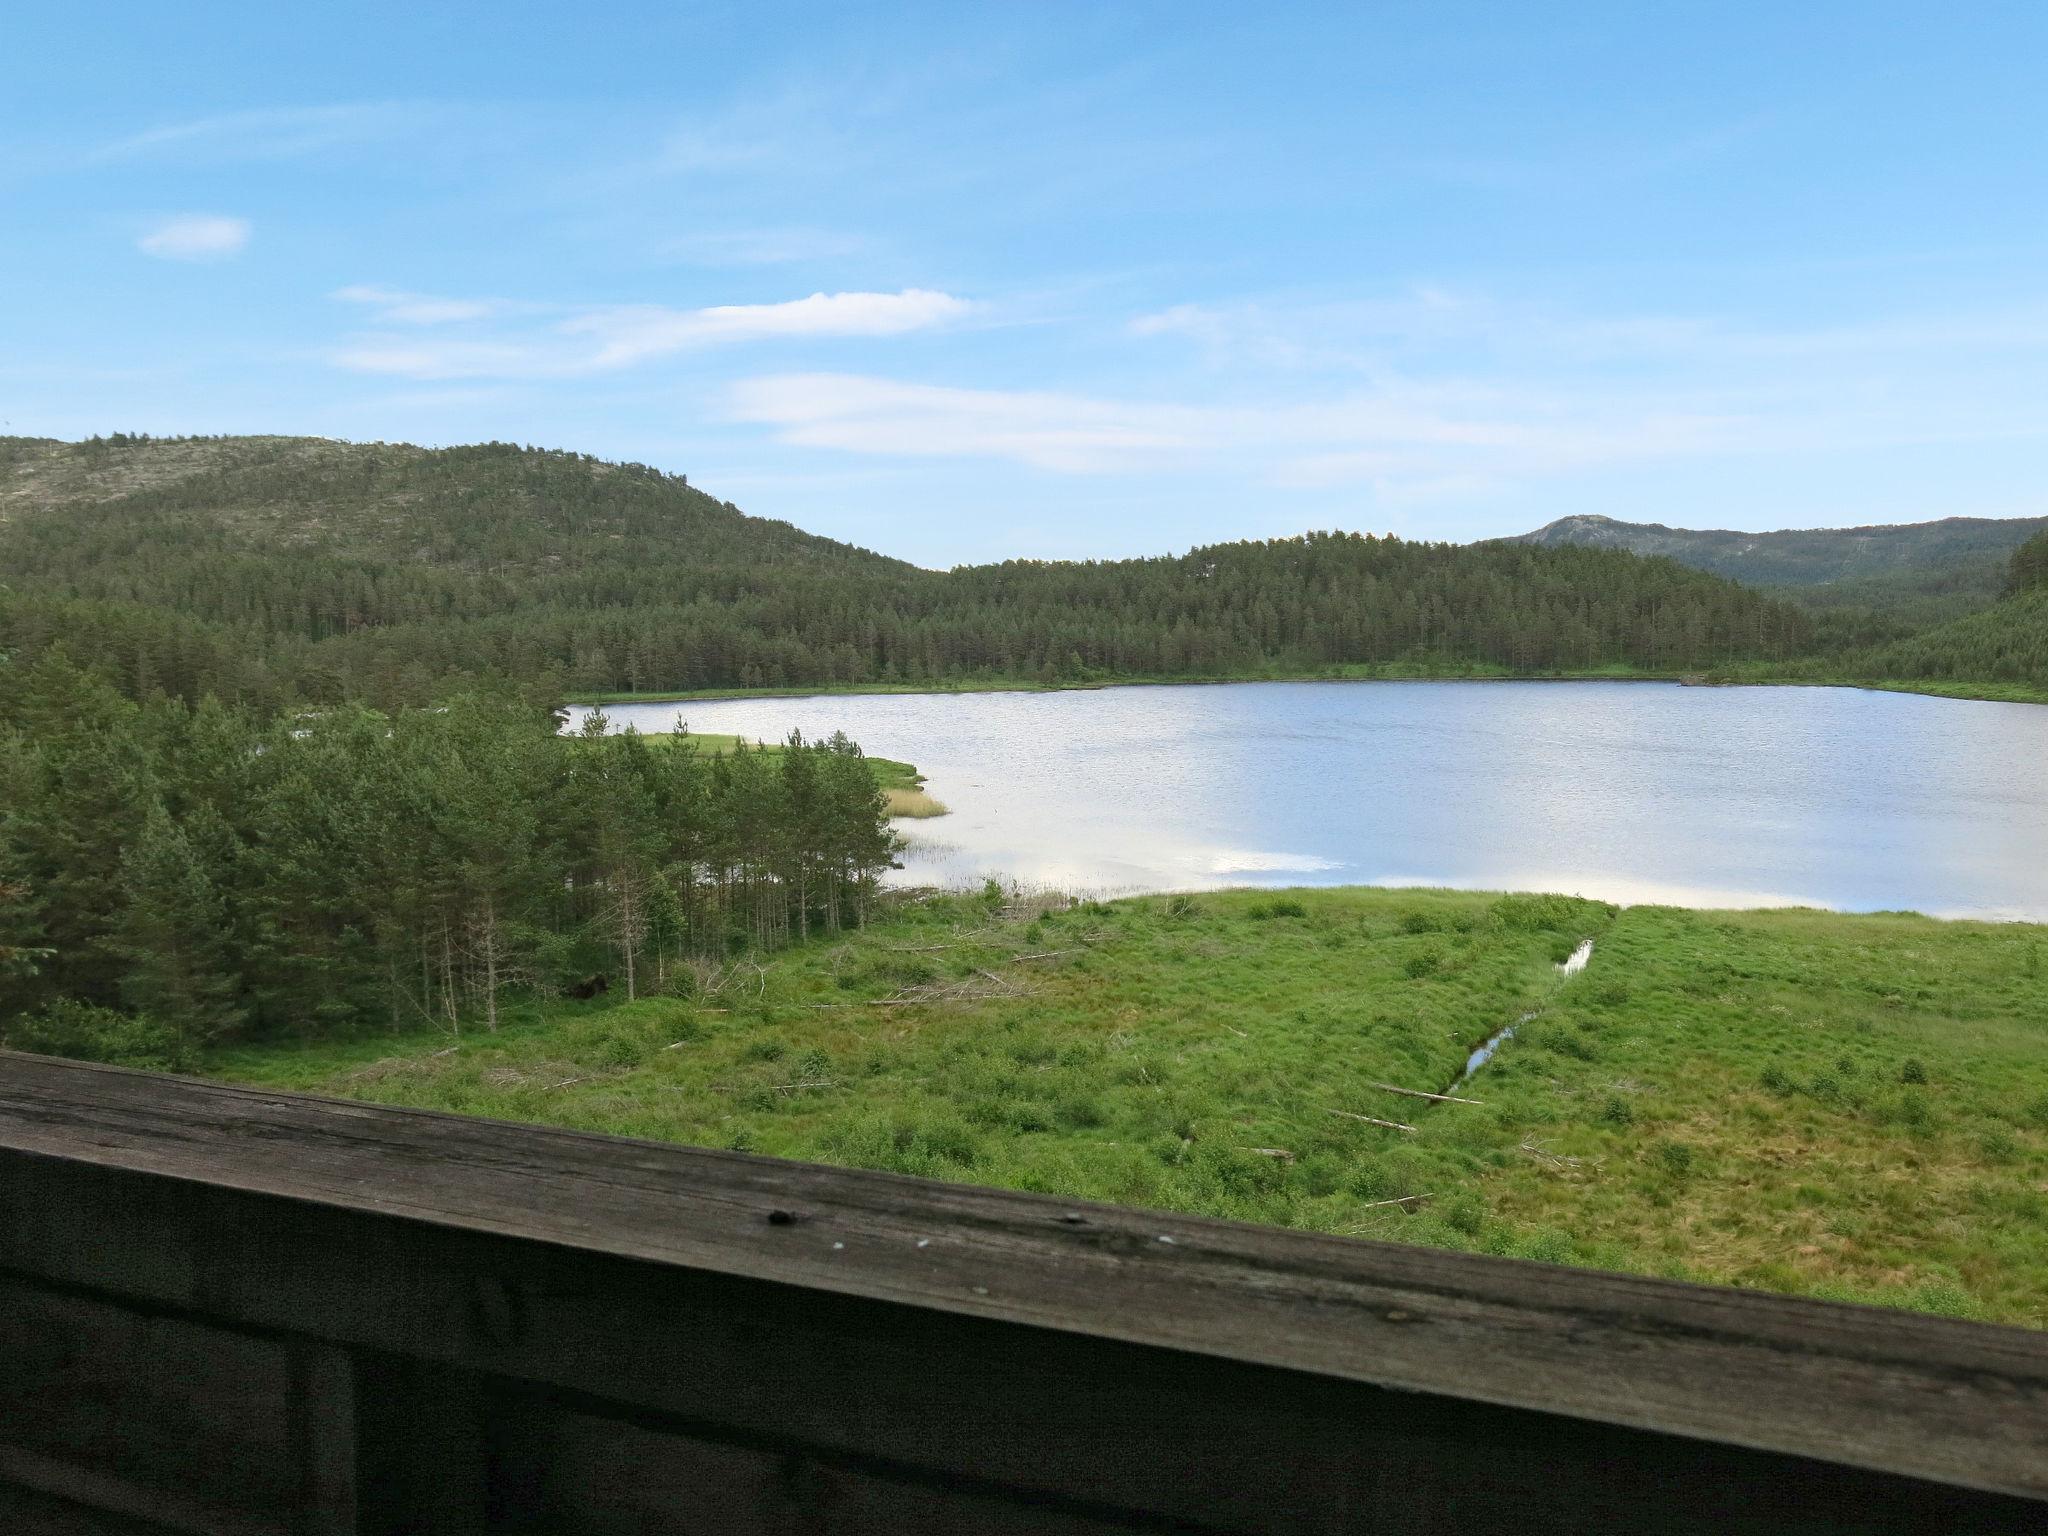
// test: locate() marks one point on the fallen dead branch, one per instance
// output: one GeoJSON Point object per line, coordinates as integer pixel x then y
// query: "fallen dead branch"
{"type": "Point", "coordinates": [1397, 1200]}
{"type": "Point", "coordinates": [1049, 954]}
{"type": "Point", "coordinates": [796, 1087]}
{"type": "Point", "coordinates": [589, 1077]}
{"type": "Point", "coordinates": [1417, 1093]}
{"type": "Point", "coordinates": [962, 990]}
{"type": "Point", "coordinates": [1281, 1153]}
{"type": "Point", "coordinates": [1392, 1125]}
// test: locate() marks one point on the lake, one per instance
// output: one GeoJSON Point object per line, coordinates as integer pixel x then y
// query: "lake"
{"type": "Point", "coordinates": [1626, 791]}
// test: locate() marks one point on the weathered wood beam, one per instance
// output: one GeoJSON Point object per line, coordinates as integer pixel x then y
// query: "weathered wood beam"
{"type": "Point", "coordinates": [1085, 1358]}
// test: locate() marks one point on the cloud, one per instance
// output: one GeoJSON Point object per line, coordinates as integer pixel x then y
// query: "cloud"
{"type": "Point", "coordinates": [630, 334]}
{"type": "Point", "coordinates": [268, 134]}
{"type": "Point", "coordinates": [1048, 430]}
{"type": "Point", "coordinates": [1401, 434]}
{"type": "Point", "coordinates": [396, 307]}
{"type": "Point", "coordinates": [196, 237]}
{"type": "Point", "coordinates": [603, 340]}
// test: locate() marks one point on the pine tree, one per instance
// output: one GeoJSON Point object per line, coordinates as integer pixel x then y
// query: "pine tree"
{"type": "Point", "coordinates": [169, 931]}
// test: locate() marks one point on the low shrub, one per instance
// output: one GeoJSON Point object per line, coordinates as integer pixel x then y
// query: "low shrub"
{"type": "Point", "coordinates": [1424, 962]}
{"type": "Point", "coordinates": [1675, 1157]}
{"type": "Point", "coordinates": [1265, 911]}
{"type": "Point", "coordinates": [85, 1032]}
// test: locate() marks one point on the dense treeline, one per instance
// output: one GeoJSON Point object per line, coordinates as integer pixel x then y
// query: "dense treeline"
{"type": "Point", "coordinates": [2029, 571]}
{"type": "Point", "coordinates": [281, 569]}
{"type": "Point", "coordinates": [2006, 643]}
{"type": "Point", "coordinates": [174, 874]}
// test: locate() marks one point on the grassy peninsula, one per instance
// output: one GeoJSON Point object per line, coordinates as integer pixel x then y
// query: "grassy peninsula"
{"type": "Point", "coordinates": [1847, 1106]}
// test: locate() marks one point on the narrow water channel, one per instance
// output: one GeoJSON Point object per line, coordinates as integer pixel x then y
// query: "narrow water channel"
{"type": "Point", "coordinates": [1482, 1053]}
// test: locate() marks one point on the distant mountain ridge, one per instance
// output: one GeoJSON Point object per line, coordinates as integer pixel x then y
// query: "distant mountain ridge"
{"type": "Point", "coordinates": [280, 568]}
{"type": "Point", "coordinates": [1948, 554]}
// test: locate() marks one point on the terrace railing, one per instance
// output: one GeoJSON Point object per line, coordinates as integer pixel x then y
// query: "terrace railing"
{"type": "Point", "coordinates": [230, 1310]}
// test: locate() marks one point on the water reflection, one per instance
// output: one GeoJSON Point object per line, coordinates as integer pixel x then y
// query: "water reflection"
{"type": "Point", "coordinates": [1629, 791]}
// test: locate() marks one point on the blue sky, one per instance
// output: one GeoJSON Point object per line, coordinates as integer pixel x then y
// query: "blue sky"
{"type": "Point", "coordinates": [965, 282]}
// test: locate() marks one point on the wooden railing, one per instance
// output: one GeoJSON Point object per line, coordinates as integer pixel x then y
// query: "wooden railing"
{"type": "Point", "coordinates": [230, 1310]}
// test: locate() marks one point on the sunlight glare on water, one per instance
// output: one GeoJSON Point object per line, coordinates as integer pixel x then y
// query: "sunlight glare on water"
{"type": "Point", "coordinates": [1625, 791]}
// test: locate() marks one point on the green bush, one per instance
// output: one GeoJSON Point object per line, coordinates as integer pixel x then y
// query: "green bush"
{"type": "Point", "coordinates": [1676, 1158]}
{"type": "Point", "coordinates": [1913, 1070]}
{"type": "Point", "coordinates": [84, 1032]}
{"type": "Point", "coordinates": [1617, 1111]}
{"type": "Point", "coordinates": [1423, 962]}
{"type": "Point", "coordinates": [1569, 1042]}
{"type": "Point", "coordinates": [1286, 906]}
{"type": "Point", "coordinates": [1464, 1212]}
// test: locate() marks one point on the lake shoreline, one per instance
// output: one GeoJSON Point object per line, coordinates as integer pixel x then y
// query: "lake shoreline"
{"type": "Point", "coordinates": [1989, 693]}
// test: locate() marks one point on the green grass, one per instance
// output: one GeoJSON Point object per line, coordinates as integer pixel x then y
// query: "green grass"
{"type": "Point", "coordinates": [1849, 1106]}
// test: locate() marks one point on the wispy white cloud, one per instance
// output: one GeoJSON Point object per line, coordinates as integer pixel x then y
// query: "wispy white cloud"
{"type": "Point", "coordinates": [196, 237]}
{"type": "Point", "coordinates": [394, 306]}
{"type": "Point", "coordinates": [267, 134]}
{"type": "Point", "coordinates": [605, 339]}
{"type": "Point", "coordinates": [629, 335]}
{"type": "Point", "coordinates": [1048, 430]}
{"type": "Point", "coordinates": [1403, 432]}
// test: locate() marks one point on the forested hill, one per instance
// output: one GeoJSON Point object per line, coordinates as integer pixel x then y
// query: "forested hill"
{"type": "Point", "coordinates": [1932, 569]}
{"type": "Point", "coordinates": [281, 568]}
{"type": "Point", "coordinates": [2005, 643]}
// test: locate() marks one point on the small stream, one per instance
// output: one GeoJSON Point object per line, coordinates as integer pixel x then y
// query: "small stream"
{"type": "Point", "coordinates": [1482, 1053]}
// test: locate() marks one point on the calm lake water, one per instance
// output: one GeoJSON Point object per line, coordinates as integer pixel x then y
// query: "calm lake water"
{"type": "Point", "coordinates": [1626, 791]}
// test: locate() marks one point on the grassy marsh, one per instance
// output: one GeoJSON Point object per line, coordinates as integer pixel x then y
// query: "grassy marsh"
{"type": "Point", "coordinates": [913, 803]}
{"type": "Point", "coordinates": [1849, 1106]}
